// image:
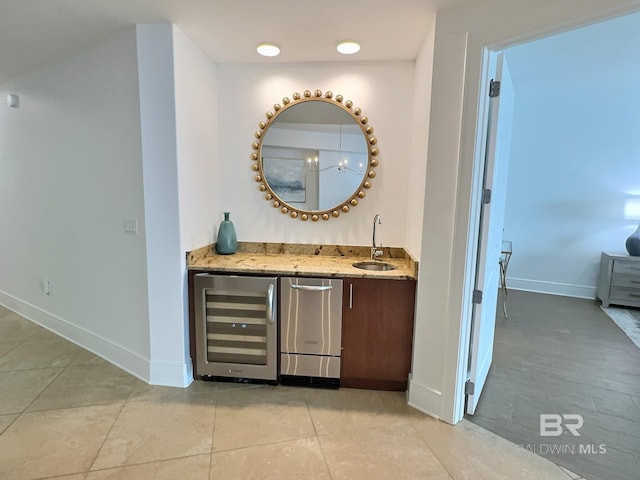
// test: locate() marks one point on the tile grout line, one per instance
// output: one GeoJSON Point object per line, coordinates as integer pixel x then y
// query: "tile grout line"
{"type": "Point", "coordinates": [150, 462]}
{"type": "Point", "coordinates": [61, 476]}
{"type": "Point", "coordinates": [19, 414]}
{"type": "Point", "coordinates": [115, 420]}
{"type": "Point", "coordinates": [33, 338]}
{"type": "Point", "coordinates": [213, 430]}
{"type": "Point", "coordinates": [43, 390]}
{"type": "Point", "coordinates": [24, 411]}
{"type": "Point", "coordinates": [11, 423]}
{"type": "Point", "coordinates": [317, 437]}
{"type": "Point", "coordinates": [432, 452]}
{"type": "Point", "coordinates": [262, 444]}
{"type": "Point", "coordinates": [12, 349]}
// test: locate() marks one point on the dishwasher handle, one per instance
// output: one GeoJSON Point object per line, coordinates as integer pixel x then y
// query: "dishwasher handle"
{"type": "Point", "coordinates": [312, 288]}
{"type": "Point", "coordinates": [270, 304]}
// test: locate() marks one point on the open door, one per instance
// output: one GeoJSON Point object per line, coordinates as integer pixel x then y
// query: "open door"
{"type": "Point", "coordinates": [496, 163]}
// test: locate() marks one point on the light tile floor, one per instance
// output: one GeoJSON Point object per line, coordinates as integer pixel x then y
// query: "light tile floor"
{"type": "Point", "coordinates": [67, 414]}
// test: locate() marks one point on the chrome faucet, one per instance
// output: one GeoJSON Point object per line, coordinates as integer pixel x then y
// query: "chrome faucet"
{"type": "Point", "coordinates": [374, 250]}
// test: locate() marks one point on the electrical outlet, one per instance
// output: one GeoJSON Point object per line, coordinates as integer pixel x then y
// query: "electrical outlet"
{"type": "Point", "coordinates": [46, 286]}
{"type": "Point", "coordinates": [131, 227]}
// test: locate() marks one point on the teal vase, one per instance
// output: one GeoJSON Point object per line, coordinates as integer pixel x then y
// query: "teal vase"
{"type": "Point", "coordinates": [227, 242]}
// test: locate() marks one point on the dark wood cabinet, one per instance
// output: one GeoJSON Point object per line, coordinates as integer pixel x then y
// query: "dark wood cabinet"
{"type": "Point", "coordinates": [377, 333]}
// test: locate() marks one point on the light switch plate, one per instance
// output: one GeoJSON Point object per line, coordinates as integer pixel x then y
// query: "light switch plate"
{"type": "Point", "coordinates": [131, 227]}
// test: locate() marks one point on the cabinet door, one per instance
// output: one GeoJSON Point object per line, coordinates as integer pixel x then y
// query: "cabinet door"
{"type": "Point", "coordinates": [377, 333]}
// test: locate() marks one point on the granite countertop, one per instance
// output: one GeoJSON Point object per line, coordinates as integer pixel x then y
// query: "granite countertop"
{"type": "Point", "coordinates": [303, 260]}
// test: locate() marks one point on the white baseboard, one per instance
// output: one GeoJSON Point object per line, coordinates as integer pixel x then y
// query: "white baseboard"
{"type": "Point", "coordinates": [170, 374]}
{"type": "Point", "coordinates": [423, 398]}
{"type": "Point", "coordinates": [552, 288]}
{"type": "Point", "coordinates": [127, 360]}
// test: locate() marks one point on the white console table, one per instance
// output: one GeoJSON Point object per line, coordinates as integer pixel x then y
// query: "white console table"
{"type": "Point", "coordinates": [619, 280]}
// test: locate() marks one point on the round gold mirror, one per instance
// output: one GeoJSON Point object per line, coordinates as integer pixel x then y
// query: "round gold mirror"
{"type": "Point", "coordinates": [314, 156]}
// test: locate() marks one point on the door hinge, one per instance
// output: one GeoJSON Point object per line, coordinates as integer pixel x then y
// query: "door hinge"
{"type": "Point", "coordinates": [494, 88]}
{"type": "Point", "coordinates": [486, 196]}
{"type": "Point", "coordinates": [477, 296]}
{"type": "Point", "coordinates": [469, 387]}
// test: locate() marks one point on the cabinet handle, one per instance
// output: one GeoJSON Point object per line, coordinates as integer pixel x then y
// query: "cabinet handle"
{"type": "Point", "coordinates": [270, 304]}
{"type": "Point", "coordinates": [350, 295]}
{"type": "Point", "coordinates": [312, 288]}
{"type": "Point", "coordinates": [634, 281]}
{"type": "Point", "coordinates": [634, 295]}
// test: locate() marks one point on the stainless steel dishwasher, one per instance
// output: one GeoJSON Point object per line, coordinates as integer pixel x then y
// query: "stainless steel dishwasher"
{"type": "Point", "coordinates": [310, 331]}
{"type": "Point", "coordinates": [236, 326]}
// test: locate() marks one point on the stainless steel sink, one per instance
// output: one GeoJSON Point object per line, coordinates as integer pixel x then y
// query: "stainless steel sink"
{"type": "Point", "coordinates": [376, 266]}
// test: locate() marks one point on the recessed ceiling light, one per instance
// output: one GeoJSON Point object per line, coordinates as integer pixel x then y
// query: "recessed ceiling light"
{"type": "Point", "coordinates": [268, 50]}
{"type": "Point", "coordinates": [348, 48]}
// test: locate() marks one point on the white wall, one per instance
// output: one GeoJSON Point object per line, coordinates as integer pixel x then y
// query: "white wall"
{"type": "Point", "coordinates": [575, 160]}
{"type": "Point", "coordinates": [419, 142]}
{"type": "Point", "coordinates": [444, 285]}
{"type": "Point", "coordinates": [196, 109]}
{"type": "Point", "coordinates": [71, 173]}
{"type": "Point", "coordinates": [195, 77]}
{"type": "Point", "coordinates": [247, 92]}
{"type": "Point", "coordinates": [168, 330]}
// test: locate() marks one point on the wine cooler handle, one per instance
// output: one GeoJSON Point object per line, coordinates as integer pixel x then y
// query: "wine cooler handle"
{"type": "Point", "coordinates": [270, 304]}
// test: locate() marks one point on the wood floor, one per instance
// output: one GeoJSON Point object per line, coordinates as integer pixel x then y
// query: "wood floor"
{"type": "Point", "coordinates": [561, 355]}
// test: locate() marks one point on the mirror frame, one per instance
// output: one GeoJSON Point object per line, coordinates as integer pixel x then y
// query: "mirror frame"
{"type": "Point", "coordinates": [354, 198]}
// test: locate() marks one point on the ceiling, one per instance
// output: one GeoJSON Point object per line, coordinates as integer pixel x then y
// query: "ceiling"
{"type": "Point", "coordinates": [35, 33]}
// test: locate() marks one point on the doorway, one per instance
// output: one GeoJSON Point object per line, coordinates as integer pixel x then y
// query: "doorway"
{"type": "Point", "coordinates": [567, 186]}
{"type": "Point", "coordinates": [584, 196]}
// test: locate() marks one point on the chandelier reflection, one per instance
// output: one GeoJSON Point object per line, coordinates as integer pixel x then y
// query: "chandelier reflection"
{"type": "Point", "coordinates": [342, 166]}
